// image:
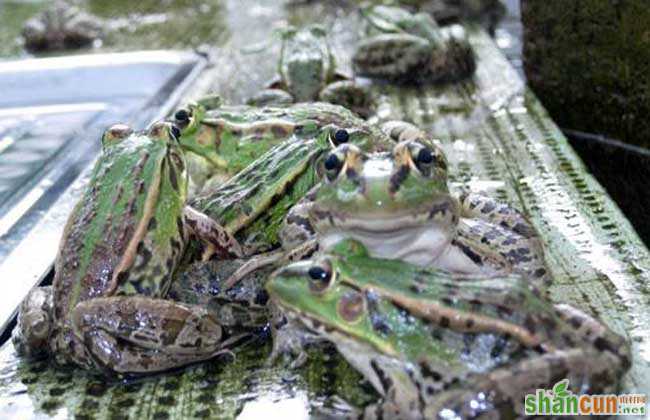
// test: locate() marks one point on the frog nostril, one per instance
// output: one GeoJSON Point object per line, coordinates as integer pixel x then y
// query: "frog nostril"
{"type": "Point", "coordinates": [341, 136]}
{"type": "Point", "coordinates": [182, 116]}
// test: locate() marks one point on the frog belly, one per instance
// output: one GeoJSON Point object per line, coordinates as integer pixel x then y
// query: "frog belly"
{"type": "Point", "coordinates": [420, 245]}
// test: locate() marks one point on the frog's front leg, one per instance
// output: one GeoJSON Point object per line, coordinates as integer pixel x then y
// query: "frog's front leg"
{"type": "Point", "coordinates": [480, 206]}
{"type": "Point", "coordinates": [217, 239]}
{"type": "Point", "coordinates": [349, 94]}
{"type": "Point", "coordinates": [135, 334]}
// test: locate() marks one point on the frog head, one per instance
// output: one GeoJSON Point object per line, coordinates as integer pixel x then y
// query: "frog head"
{"type": "Point", "coordinates": [396, 204]}
{"type": "Point", "coordinates": [306, 62]}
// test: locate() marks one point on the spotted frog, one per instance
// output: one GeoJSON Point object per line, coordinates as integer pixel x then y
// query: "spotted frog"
{"type": "Point", "coordinates": [61, 26]}
{"type": "Point", "coordinates": [227, 139]}
{"type": "Point", "coordinates": [307, 72]}
{"type": "Point", "coordinates": [437, 345]}
{"type": "Point", "coordinates": [398, 206]}
{"type": "Point", "coordinates": [411, 48]}
{"type": "Point", "coordinates": [119, 250]}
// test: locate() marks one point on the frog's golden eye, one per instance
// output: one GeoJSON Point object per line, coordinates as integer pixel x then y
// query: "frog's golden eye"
{"type": "Point", "coordinates": [116, 133]}
{"type": "Point", "coordinates": [333, 164]}
{"type": "Point", "coordinates": [320, 276]}
{"type": "Point", "coordinates": [351, 306]}
{"type": "Point", "coordinates": [339, 136]}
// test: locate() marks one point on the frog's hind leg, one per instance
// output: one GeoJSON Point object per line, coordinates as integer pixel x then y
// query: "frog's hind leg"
{"type": "Point", "coordinates": [135, 334]}
{"type": "Point", "coordinates": [593, 359]}
{"type": "Point", "coordinates": [501, 393]}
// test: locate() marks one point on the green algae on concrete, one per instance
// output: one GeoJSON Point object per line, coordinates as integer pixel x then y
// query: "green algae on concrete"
{"type": "Point", "coordinates": [589, 62]}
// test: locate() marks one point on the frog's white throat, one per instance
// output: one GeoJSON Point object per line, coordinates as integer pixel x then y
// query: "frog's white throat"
{"type": "Point", "coordinates": [420, 245]}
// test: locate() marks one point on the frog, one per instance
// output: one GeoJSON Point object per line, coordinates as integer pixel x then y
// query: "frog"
{"type": "Point", "coordinates": [439, 345]}
{"type": "Point", "coordinates": [487, 13]}
{"type": "Point", "coordinates": [408, 48]}
{"type": "Point", "coordinates": [61, 26]}
{"type": "Point", "coordinates": [106, 309]}
{"type": "Point", "coordinates": [399, 206]}
{"type": "Point", "coordinates": [225, 139]}
{"type": "Point", "coordinates": [307, 72]}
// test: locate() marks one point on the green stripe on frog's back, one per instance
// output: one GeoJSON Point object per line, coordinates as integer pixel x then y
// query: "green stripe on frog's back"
{"type": "Point", "coordinates": [244, 197]}
{"type": "Point", "coordinates": [104, 221]}
{"type": "Point", "coordinates": [162, 245]}
{"type": "Point", "coordinates": [498, 301]}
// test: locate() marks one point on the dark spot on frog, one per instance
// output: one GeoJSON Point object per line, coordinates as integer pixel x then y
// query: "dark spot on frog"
{"type": "Point", "coordinates": [441, 209]}
{"type": "Point", "coordinates": [179, 225]}
{"type": "Point", "coordinates": [57, 392]}
{"type": "Point", "coordinates": [88, 405]}
{"type": "Point", "coordinates": [50, 405]}
{"type": "Point", "coordinates": [499, 346]}
{"type": "Point", "coordinates": [379, 324]}
{"type": "Point", "coordinates": [469, 323]}
{"type": "Point", "coordinates": [397, 178]}
{"type": "Point", "coordinates": [152, 224]}
{"type": "Point", "coordinates": [96, 389]}
{"type": "Point", "coordinates": [488, 207]}
{"type": "Point", "coordinates": [540, 272]}
{"type": "Point", "coordinates": [261, 298]}
{"type": "Point", "coordinates": [444, 322]}
{"type": "Point", "coordinates": [160, 415]}
{"type": "Point", "coordinates": [469, 252]}
{"type": "Point", "coordinates": [126, 403]}
{"type": "Point", "coordinates": [122, 277]}
{"type": "Point", "coordinates": [416, 288]}
{"type": "Point", "coordinates": [385, 380]}
{"type": "Point", "coordinates": [205, 413]}
{"type": "Point", "coordinates": [173, 180]}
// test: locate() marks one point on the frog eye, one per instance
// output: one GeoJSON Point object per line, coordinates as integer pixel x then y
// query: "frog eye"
{"type": "Point", "coordinates": [333, 164]}
{"type": "Point", "coordinates": [115, 134]}
{"type": "Point", "coordinates": [320, 276]}
{"type": "Point", "coordinates": [339, 136]}
{"type": "Point", "coordinates": [427, 159]}
{"type": "Point", "coordinates": [351, 306]}
{"type": "Point", "coordinates": [182, 117]}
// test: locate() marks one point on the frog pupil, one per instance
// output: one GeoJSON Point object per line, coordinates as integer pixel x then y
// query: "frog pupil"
{"type": "Point", "coordinates": [341, 136]}
{"type": "Point", "coordinates": [424, 156]}
{"type": "Point", "coordinates": [318, 273]}
{"type": "Point", "coordinates": [182, 115]}
{"type": "Point", "coordinates": [332, 162]}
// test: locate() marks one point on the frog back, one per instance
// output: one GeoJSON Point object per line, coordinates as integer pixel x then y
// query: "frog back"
{"type": "Point", "coordinates": [106, 243]}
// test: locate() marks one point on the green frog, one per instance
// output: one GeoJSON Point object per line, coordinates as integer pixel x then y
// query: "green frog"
{"type": "Point", "coordinates": [119, 250]}
{"type": "Point", "coordinates": [411, 48]}
{"type": "Point", "coordinates": [437, 345]}
{"type": "Point", "coordinates": [307, 72]}
{"type": "Point", "coordinates": [399, 206]}
{"type": "Point", "coordinates": [229, 138]}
